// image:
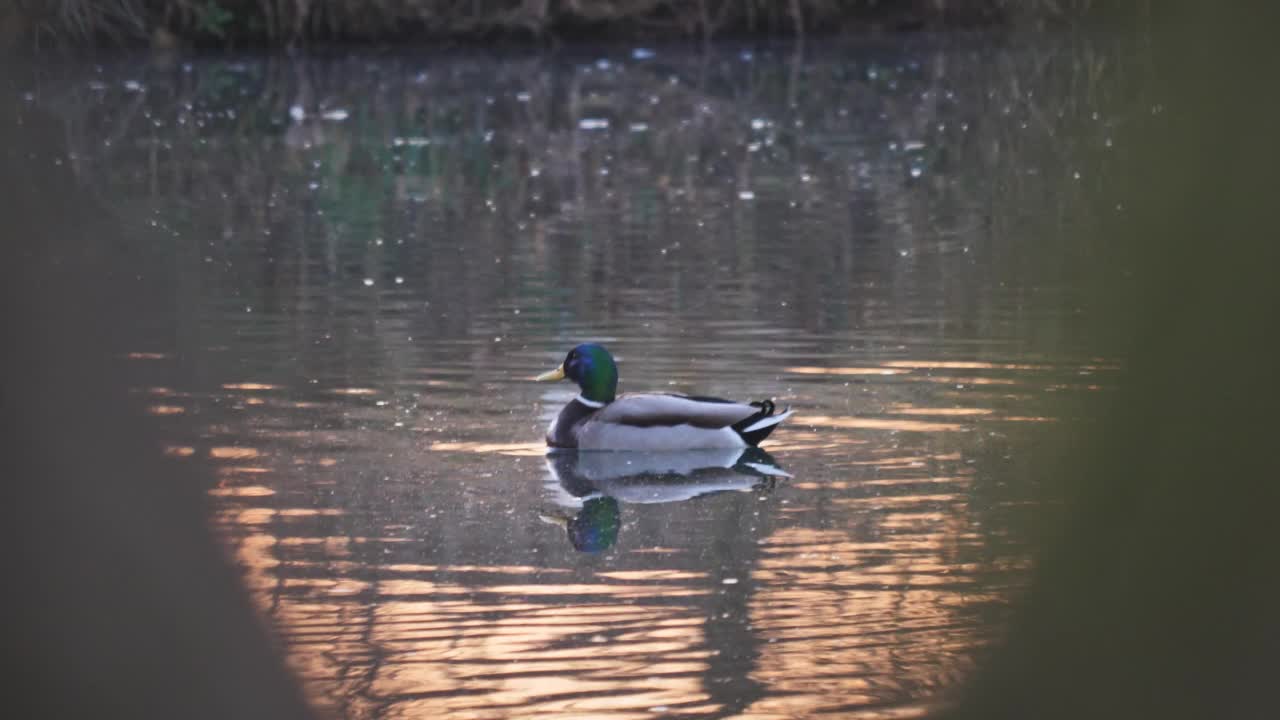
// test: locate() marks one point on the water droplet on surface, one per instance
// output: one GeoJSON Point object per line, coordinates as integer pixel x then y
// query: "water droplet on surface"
{"type": "Point", "coordinates": [368, 282]}
{"type": "Point", "coordinates": [641, 54]}
{"type": "Point", "coordinates": [746, 195]}
{"type": "Point", "coordinates": [399, 279]}
{"type": "Point", "coordinates": [593, 124]}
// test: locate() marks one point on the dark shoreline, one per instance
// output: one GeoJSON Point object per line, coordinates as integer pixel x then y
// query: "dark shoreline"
{"type": "Point", "coordinates": [30, 25]}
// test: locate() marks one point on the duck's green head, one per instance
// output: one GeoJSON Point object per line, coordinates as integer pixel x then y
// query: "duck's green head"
{"type": "Point", "coordinates": [592, 367]}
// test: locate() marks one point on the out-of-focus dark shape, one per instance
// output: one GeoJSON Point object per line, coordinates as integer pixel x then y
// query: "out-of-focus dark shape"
{"type": "Point", "coordinates": [1158, 597]}
{"type": "Point", "coordinates": [119, 602]}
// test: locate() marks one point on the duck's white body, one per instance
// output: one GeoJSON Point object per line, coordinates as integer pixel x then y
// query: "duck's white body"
{"type": "Point", "coordinates": [658, 422]}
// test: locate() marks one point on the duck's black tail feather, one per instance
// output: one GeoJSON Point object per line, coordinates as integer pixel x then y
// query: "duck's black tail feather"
{"type": "Point", "coordinates": [755, 428]}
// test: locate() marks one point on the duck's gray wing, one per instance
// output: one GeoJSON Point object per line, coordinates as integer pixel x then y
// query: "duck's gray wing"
{"type": "Point", "coordinates": [656, 410]}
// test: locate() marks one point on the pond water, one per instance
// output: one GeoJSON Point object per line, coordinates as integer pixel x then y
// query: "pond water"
{"type": "Point", "coordinates": [373, 254]}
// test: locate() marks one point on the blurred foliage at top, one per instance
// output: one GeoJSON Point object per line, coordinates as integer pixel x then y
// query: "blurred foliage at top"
{"type": "Point", "coordinates": [44, 24]}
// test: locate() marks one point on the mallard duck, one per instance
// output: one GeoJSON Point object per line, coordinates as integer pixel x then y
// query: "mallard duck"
{"type": "Point", "coordinates": [599, 419]}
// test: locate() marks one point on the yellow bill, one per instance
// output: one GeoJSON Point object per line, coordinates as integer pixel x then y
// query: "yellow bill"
{"type": "Point", "coordinates": [557, 374]}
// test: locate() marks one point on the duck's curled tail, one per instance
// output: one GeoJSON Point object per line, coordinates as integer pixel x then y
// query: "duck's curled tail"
{"type": "Point", "coordinates": [755, 428]}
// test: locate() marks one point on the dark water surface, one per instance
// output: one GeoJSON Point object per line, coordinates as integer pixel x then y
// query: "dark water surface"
{"type": "Point", "coordinates": [372, 255]}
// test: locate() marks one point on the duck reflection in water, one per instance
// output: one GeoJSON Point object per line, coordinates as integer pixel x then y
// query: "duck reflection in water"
{"type": "Point", "coordinates": [587, 486]}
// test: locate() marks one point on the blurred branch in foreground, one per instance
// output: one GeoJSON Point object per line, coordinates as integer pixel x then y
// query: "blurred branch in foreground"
{"type": "Point", "coordinates": [1158, 598]}
{"type": "Point", "coordinates": [120, 603]}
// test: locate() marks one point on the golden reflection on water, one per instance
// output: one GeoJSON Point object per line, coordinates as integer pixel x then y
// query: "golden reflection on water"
{"type": "Point", "coordinates": [857, 598]}
{"type": "Point", "coordinates": [961, 380]}
{"type": "Point", "coordinates": [950, 412]}
{"type": "Point", "coordinates": [412, 648]}
{"type": "Point", "coordinates": [357, 391]}
{"type": "Point", "coordinates": [961, 365]}
{"type": "Point", "coordinates": [242, 470]}
{"type": "Point", "coordinates": [853, 624]}
{"type": "Point", "coordinates": [250, 386]}
{"type": "Point", "coordinates": [849, 485]}
{"type": "Point", "coordinates": [242, 491]}
{"type": "Point", "coordinates": [166, 409]}
{"type": "Point", "coordinates": [810, 370]}
{"type": "Point", "coordinates": [525, 449]}
{"type": "Point", "coordinates": [848, 621]}
{"type": "Point", "coordinates": [232, 453]}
